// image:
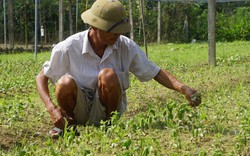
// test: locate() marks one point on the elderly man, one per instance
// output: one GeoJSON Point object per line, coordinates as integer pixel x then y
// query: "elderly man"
{"type": "Point", "coordinates": [91, 70]}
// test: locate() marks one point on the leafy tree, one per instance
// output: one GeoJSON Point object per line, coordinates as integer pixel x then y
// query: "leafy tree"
{"type": "Point", "coordinates": [232, 21]}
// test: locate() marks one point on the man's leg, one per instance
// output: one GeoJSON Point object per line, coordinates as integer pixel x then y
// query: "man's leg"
{"type": "Point", "coordinates": [66, 94]}
{"type": "Point", "coordinates": [109, 90]}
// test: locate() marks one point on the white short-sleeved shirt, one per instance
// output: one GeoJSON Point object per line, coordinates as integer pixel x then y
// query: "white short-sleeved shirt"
{"type": "Point", "coordinates": [76, 57]}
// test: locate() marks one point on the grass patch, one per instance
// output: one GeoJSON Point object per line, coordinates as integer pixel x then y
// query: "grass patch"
{"type": "Point", "coordinates": [158, 120]}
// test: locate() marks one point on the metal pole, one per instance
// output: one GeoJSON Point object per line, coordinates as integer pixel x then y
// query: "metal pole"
{"type": "Point", "coordinates": [35, 46]}
{"type": "Point", "coordinates": [4, 20]}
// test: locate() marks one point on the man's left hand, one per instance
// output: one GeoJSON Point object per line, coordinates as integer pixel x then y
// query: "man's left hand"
{"type": "Point", "coordinates": [192, 96]}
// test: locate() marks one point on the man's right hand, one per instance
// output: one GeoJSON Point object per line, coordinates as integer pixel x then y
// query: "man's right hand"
{"type": "Point", "coordinates": [57, 117]}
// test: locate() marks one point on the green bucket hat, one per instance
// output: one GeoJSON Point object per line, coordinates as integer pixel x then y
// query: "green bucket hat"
{"type": "Point", "coordinates": [107, 15]}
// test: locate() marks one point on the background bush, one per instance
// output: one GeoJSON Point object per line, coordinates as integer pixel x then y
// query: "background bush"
{"type": "Point", "coordinates": [233, 20]}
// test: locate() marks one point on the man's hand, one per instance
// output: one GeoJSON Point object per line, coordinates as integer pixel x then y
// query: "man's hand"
{"type": "Point", "coordinates": [169, 81]}
{"type": "Point", "coordinates": [196, 99]}
{"type": "Point", "coordinates": [192, 96]}
{"type": "Point", "coordinates": [57, 117]}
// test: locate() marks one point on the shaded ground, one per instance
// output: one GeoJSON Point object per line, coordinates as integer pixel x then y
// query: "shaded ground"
{"type": "Point", "coordinates": [7, 141]}
{"type": "Point", "coordinates": [13, 136]}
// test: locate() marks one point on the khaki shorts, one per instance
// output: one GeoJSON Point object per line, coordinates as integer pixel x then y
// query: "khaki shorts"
{"type": "Point", "coordinates": [88, 110]}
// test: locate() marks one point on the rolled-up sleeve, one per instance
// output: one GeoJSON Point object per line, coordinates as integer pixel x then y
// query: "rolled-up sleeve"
{"type": "Point", "coordinates": [58, 64]}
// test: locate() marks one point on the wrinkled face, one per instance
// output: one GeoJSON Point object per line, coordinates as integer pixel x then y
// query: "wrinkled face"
{"type": "Point", "coordinates": [107, 37]}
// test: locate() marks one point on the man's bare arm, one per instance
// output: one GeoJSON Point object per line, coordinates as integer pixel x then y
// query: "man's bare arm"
{"type": "Point", "coordinates": [43, 90]}
{"type": "Point", "coordinates": [169, 81]}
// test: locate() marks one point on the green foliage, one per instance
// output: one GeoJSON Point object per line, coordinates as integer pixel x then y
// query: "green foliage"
{"type": "Point", "coordinates": [158, 121]}
{"type": "Point", "coordinates": [234, 27]}
{"type": "Point", "coordinates": [232, 21]}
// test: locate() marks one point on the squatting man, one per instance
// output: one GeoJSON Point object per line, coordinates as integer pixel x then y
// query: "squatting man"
{"type": "Point", "coordinates": [90, 70]}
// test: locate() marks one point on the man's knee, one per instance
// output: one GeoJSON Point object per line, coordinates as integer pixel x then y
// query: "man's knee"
{"type": "Point", "coordinates": [66, 85]}
{"type": "Point", "coordinates": [108, 77]}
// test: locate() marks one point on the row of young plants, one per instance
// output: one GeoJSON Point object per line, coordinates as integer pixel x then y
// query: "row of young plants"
{"type": "Point", "coordinates": [173, 130]}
